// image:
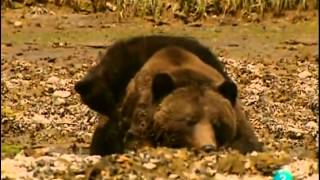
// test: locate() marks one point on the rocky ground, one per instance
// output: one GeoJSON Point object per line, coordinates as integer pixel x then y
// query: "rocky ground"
{"type": "Point", "coordinates": [45, 130]}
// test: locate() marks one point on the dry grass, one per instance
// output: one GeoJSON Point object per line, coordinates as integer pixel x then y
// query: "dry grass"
{"type": "Point", "coordinates": [187, 8]}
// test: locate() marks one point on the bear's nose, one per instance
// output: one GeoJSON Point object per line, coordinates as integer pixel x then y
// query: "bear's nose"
{"type": "Point", "coordinates": [208, 148]}
{"type": "Point", "coordinates": [82, 87]}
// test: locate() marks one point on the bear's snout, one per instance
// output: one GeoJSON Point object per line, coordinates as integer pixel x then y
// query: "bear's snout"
{"type": "Point", "coordinates": [82, 87]}
{"type": "Point", "coordinates": [203, 135]}
{"type": "Point", "coordinates": [91, 95]}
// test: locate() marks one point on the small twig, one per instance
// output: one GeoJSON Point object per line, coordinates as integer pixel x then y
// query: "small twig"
{"type": "Point", "coordinates": [296, 42]}
{"type": "Point", "coordinates": [67, 123]}
{"type": "Point", "coordinates": [95, 45]}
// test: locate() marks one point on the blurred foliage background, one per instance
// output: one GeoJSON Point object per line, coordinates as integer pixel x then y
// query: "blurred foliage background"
{"type": "Point", "coordinates": [177, 8]}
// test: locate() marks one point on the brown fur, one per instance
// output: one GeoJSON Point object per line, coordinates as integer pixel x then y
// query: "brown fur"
{"type": "Point", "coordinates": [197, 108]}
{"type": "Point", "coordinates": [103, 87]}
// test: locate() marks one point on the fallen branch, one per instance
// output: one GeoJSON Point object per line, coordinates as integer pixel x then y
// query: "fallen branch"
{"type": "Point", "coordinates": [296, 42]}
{"type": "Point", "coordinates": [93, 45]}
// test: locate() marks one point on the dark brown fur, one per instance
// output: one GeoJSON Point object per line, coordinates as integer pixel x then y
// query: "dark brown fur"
{"type": "Point", "coordinates": [107, 137]}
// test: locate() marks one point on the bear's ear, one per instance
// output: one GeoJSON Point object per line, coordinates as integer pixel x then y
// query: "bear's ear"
{"type": "Point", "coordinates": [162, 85]}
{"type": "Point", "coordinates": [229, 90]}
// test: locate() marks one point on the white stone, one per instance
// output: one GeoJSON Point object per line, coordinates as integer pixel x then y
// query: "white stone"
{"type": "Point", "coordinates": [173, 176]}
{"type": "Point", "coordinates": [304, 74]}
{"type": "Point", "coordinates": [62, 94]}
{"type": "Point", "coordinates": [38, 118]}
{"type": "Point", "coordinates": [53, 80]}
{"type": "Point", "coordinates": [17, 24]}
{"type": "Point", "coordinates": [312, 125]}
{"type": "Point", "coordinates": [149, 166]}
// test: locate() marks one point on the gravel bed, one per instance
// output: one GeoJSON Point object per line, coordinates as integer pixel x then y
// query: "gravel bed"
{"type": "Point", "coordinates": [41, 112]}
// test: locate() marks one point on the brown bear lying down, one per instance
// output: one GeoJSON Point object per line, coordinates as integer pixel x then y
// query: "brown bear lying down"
{"type": "Point", "coordinates": [176, 100]}
{"type": "Point", "coordinates": [104, 86]}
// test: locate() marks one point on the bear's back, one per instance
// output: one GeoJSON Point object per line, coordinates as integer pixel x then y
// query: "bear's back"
{"type": "Point", "coordinates": [172, 59]}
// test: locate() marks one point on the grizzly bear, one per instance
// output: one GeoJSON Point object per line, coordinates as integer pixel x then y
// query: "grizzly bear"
{"type": "Point", "coordinates": [176, 100]}
{"type": "Point", "coordinates": [104, 86]}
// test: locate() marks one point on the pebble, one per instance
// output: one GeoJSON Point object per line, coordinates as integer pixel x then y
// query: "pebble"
{"type": "Point", "coordinates": [223, 177]}
{"type": "Point", "coordinates": [159, 178]}
{"type": "Point", "coordinates": [297, 131]}
{"type": "Point", "coordinates": [211, 172]}
{"type": "Point", "coordinates": [155, 161]}
{"type": "Point", "coordinates": [168, 156]}
{"type": "Point", "coordinates": [108, 25]}
{"type": "Point", "coordinates": [122, 159]}
{"type": "Point", "coordinates": [132, 176]}
{"type": "Point", "coordinates": [304, 74]}
{"type": "Point", "coordinates": [173, 176]}
{"type": "Point", "coordinates": [53, 80]}
{"type": "Point", "coordinates": [59, 101]}
{"type": "Point", "coordinates": [17, 24]}
{"type": "Point", "coordinates": [191, 175]}
{"type": "Point", "coordinates": [247, 164]}
{"type": "Point", "coordinates": [80, 176]}
{"type": "Point", "coordinates": [62, 94]}
{"type": "Point", "coordinates": [254, 153]}
{"type": "Point", "coordinates": [81, 25]}
{"type": "Point", "coordinates": [312, 125]}
{"type": "Point", "coordinates": [38, 118]}
{"type": "Point", "coordinates": [149, 166]}
{"type": "Point", "coordinates": [111, 7]}
{"type": "Point", "coordinates": [313, 177]}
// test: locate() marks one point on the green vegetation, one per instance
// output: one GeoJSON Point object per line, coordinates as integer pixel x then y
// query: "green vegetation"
{"type": "Point", "coordinates": [181, 8]}
{"type": "Point", "coordinates": [7, 111]}
{"type": "Point", "coordinates": [10, 149]}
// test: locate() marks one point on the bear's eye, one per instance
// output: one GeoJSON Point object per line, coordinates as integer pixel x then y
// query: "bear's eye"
{"type": "Point", "coordinates": [172, 139]}
{"type": "Point", "coordinates": [191, 121]}
{"type": "Point", "coordinates": [217, 124]}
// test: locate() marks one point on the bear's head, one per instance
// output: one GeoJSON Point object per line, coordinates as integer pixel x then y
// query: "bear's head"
{"type": "Point", "coordinates": [94, 91]}
{"type": "Point", "coordinates": [185, 110]}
